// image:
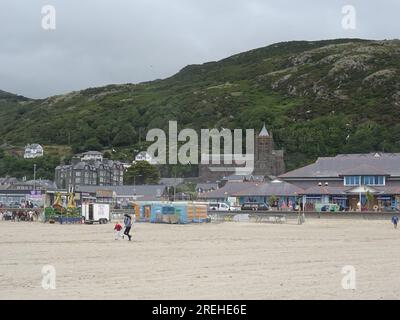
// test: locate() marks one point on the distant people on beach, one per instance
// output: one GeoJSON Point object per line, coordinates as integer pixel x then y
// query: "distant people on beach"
{"type": "Point", "coordinates": [117, 231]}
{"type": "Point", "coordinates": [395, 220]}
{"type": "Point", "coordinates": [128, 226]}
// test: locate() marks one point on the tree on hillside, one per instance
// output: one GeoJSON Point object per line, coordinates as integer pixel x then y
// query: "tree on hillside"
{"type": "Point", "coordinates": [125, 137]}
{"type": "Point", "coordinates": [93, 144]}
{"type": "Point", "coordinates": [142, 172]}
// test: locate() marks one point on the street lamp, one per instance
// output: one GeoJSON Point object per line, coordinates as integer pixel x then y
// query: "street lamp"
{"type": "Point", "coordinates": [34, 176]}
{"type": "Point", "coordinates": [134, 183]}
{"type": "Point", "coordinates": [175, 186]}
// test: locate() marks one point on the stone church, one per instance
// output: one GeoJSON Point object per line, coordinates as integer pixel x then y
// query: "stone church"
{"type": "Point", "coordinates": [267, 160]}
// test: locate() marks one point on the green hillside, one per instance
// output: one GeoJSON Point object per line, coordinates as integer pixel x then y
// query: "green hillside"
{"type": "Point", "coordinates": [319, 98]}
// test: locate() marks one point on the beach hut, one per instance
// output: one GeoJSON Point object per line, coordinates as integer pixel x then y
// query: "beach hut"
{"type": "Point", "coordinates": [171, 212]}
{"type": "Point", "coordinates": [197, 213]}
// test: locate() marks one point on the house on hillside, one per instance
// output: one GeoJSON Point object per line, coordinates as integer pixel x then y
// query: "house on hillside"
{"type": "Point", "coordinates": [33, 151]}
{"type": "Point", "coordinates": [91, 156]}
{"type": "Point", "coordinates": [144, 156]}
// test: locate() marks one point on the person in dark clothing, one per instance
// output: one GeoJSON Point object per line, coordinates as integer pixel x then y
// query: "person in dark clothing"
{"type": "Point", "coordinates": [395, 220]}
{"type": "Point", "coordinates": [128, 226]}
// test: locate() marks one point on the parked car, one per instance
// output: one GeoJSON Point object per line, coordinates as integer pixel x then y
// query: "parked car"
{"type": "Point", "coordinates": [236, 208]}
{"type": "Point", "coordinates": [220, 207]}
{"type": "Point", "coordinates": [255, 206]}
{"type": "Point", "coordinates": [328, 207]}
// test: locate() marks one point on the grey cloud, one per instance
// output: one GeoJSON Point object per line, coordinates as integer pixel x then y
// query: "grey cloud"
{"type": "Point", "coordinates": [98, 42]}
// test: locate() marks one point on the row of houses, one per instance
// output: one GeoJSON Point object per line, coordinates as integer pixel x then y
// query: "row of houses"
{"type": "Point", "coordinates": [90, 168]}
{"type": "Point", "coordinates": [42, 193]}
{"type": "Point", "coordinates": [353, 181]}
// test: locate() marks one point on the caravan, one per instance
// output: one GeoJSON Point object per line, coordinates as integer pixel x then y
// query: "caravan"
{"type": "Point", "coordinates": [96, 212]}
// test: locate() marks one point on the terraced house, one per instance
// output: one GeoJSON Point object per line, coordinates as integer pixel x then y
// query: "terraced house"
{"type": "Point", "coordinates": [354, 181]}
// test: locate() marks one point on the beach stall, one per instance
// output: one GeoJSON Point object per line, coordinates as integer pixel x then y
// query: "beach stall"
{"type": "Point", "coordinates": [170, 212]}
{"type": "Point", "coordinates": [197, 213]}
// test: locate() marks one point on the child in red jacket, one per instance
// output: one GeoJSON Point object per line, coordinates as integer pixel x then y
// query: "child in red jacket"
{"type": "Point", "coordinates": [117, 231]}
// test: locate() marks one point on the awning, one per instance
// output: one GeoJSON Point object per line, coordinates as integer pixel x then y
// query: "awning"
{"type": "Point", "coordinates": [362, 189]}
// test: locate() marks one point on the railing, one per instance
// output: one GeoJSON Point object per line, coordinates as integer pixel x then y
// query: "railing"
{"type": "Point", "coordinates": [118, 214]}
{"type": "Point", "coordinates": [284, 216]}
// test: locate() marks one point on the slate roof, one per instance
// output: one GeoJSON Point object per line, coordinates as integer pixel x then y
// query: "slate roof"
{"type": "Point", "coordinates": [273, 188]}
{"type": "Point", "coordinates": [364, 169]}
{"type": "Point", "coordinates": [325, 190]}
{"type": "Point", "coordinates": [94, 153]}
{"type": "Point", "coordinates": [147, 191]}
{"type": "Point", "coordinates": [247, 177]}
{"type": "Point", "coordinates": [171, 182]}
{"type": "Point", "coordinates": [264, 132]}
{"type": "Point", "coordinates": [207, 186]}
{"type": "Point", "coordinates": [349, 164]}
{"type": "Point", "coordinates": [33, 146]}
{"type": "Point", "coordinates": [228, 190]}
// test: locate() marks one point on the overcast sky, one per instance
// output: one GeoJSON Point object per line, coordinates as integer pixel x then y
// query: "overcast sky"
{"type": "Point", "coordinates": [99, 42]}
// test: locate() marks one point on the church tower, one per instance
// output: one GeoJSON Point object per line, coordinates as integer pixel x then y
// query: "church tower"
{"type": "Point", "coordinates": [264, 144]}
{"type": "Point", "coordinates": [268, 161]}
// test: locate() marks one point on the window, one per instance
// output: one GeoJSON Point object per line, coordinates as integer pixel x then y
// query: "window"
{"type": "Point", "coordinates": [373, 180]}
{"type": "Point", "coordinates": [352, 180]}
{"type": "Point", "coordinates": [77, 173]}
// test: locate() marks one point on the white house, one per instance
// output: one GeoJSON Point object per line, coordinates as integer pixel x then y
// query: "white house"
{"type": "Point", "coordinates": [91, 155]}
{"type": "Point", "coordinates": [33, 151]}
{"type": "Point", "coordinates": [144, 156]}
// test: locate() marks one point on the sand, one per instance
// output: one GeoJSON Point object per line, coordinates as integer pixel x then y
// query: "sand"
{"type": "Point", "coordinates": [211, 261]}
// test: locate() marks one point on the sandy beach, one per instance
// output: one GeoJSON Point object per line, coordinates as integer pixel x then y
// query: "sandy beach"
{"type": "Point", "coordinates": [210, 261]}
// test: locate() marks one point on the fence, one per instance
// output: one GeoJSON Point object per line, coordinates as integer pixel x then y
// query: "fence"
{"type": "Point", "coordinates": [118, 214]}
{"type": "Point", "coordinates": [289, 217]}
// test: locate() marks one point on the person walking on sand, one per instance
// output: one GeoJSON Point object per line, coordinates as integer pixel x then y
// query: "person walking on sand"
{"type": "Point", "coordinates": [395, 220]}
{"type": "Point", "coordinates": [117, 231]}
{"type": "Point", "coordinates": [128, 225]}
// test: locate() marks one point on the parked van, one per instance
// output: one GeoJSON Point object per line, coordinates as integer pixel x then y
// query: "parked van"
{"type": "Point", "coordinates": [220, 207]}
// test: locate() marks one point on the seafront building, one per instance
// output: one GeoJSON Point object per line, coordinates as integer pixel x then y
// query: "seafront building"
{"type": "Point", "coordinates": [353, 181]}
{"type": "Point", "coordinates": [89, 170]}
